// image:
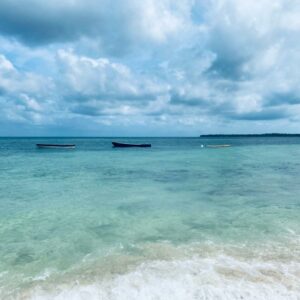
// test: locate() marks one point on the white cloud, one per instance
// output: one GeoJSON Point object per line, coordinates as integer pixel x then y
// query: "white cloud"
{"type": "Point", "coordinates": [100, 86]}
{"type": "Point", "coordinates": [171, 62]}
{"type": "Point", "coordinates": [23, 96]}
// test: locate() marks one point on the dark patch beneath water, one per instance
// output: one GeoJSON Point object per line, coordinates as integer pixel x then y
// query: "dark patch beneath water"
{"type": "Point", "coordinates": [25, 256]}
{"type": "Point", "coordinates": [135, 208]}
{"type": "Point", "coordinates": [104, 231]}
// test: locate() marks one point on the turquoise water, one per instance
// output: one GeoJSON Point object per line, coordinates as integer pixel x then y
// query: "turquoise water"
{"type": "Point", "coordinates": [176, 221]}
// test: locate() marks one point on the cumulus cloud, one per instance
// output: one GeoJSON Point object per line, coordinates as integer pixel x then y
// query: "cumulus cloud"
{"type": "Point", "coordinates": [179, 64]}
{"type": "Point", "coordinates": [102, 87]}
{"type": "Point", "coordinates": [113, 26]}
{"type": "Point", "coordinates": [22, 95]}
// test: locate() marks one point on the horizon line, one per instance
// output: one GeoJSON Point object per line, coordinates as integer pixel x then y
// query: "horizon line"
{"type": "Point", "coordinates": [183, 136]}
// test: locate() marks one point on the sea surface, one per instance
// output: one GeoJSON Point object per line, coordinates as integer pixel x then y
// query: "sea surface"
{"type": "Point", "coordinates": [176, 221]}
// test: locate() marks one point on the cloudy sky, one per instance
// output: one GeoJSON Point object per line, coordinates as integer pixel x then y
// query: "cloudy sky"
{"type": "Point", "coordinates": [149, 67]}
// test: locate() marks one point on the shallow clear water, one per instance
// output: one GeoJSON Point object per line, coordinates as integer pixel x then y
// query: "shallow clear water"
{"type": "Point", "coordinates": [176, 221]}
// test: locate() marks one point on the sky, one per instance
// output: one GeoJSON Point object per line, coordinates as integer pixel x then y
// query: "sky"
{"type": "Point", "coordinates": [149, 68]}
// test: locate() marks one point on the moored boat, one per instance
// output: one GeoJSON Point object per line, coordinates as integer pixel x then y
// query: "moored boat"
{"type": "Point", "coordinates": [126, 145]}
{"type": "Point", "coordinates": [56, 146]}
{"type": "Point", "coordinates": [218, 146]}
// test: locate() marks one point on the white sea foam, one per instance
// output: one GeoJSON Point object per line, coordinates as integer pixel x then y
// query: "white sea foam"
{"type": "Point", "coordinates": [220, 277]}
{"type": "Point", "coordinates": [44, 275]}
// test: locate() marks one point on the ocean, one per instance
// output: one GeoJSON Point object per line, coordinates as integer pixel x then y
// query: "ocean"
{"type": "Point", "coordinates": [175, 221]}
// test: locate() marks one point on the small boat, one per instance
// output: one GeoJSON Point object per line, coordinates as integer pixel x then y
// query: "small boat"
{"type": "Point", "coordinates": [217, 146]}
{"type": "Point", "coordinates": [125, 145]}
{"type": "Point", "coordinates": [56, 146]}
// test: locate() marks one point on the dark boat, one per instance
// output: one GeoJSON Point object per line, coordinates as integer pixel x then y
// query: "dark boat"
{"type": "Point", "coordinates": [56, 146]}
{"type": "Point", "coordinates": [125, 145]}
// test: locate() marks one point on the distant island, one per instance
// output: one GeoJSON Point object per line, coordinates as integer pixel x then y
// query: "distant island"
{"type": "Point", "coordinates": [250, 135]}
